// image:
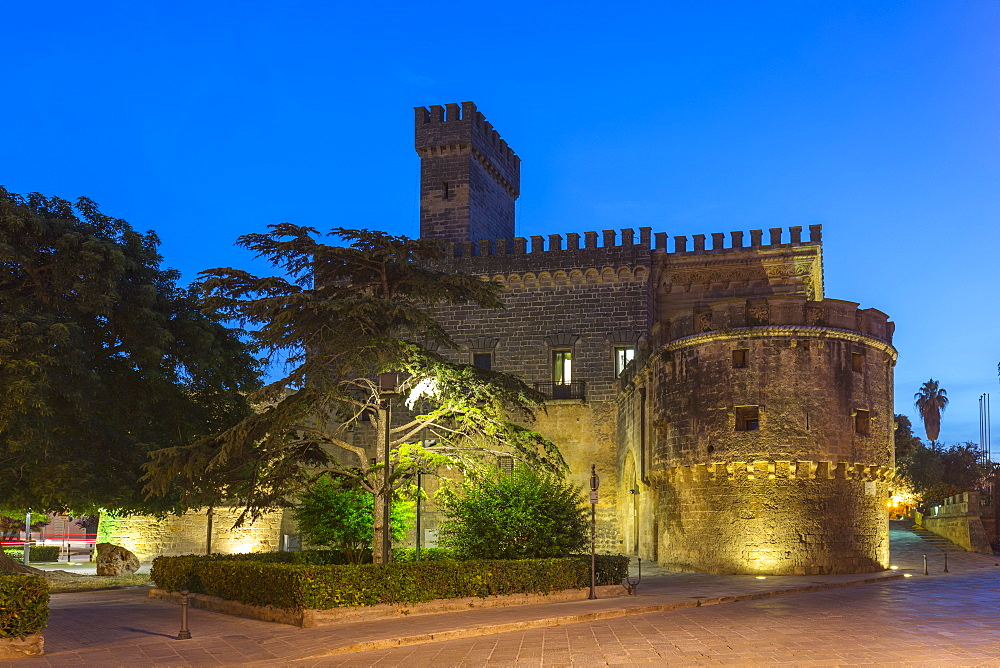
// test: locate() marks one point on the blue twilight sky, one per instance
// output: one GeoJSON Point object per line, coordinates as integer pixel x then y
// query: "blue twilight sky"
{"type": "Point", "coordinates": [205, 120]}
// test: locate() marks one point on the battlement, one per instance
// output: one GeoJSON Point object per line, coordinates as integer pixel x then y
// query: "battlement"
{"type": "Point", "coordinates": [792, 314]}
{"type": "Point", "coordinates": [775, 470]}
{"type": "Point", "coordinates": [444, 127]}
{"type": "Point", "coordinates": [627, 239]}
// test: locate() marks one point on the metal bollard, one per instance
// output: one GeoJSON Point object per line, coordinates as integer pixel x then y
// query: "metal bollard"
{"type": "Point", "coordinates": [925, 565]}
{"type": "Point", "coordinates": [184, 634]}
{"type": "Point", "coordinates": [945, 562]}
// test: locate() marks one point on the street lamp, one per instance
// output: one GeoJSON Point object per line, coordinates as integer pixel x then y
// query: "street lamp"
{"type": "Point", "coordinates": [595, 482]}
{"type": "Point", "coordinates": [387, 383]}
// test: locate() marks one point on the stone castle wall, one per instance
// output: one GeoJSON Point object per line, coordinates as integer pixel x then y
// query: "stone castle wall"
{"type": "Point", "coordinates": [148, 537]}
{"type": "Point", "coordinates": [802, 490]}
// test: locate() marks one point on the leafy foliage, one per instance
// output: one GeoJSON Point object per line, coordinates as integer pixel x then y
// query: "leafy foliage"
{"type": "Point", "coordinates": [341, 516]}
{"type": "Point", "coordinates": [340, 315]}
{"type": "Point", "coordinates": [24, 605]}
{"type": "Point", "coordinates": [904, 441]}
{"type": "Point", "coordinates": [935, 472]}
{"type": "Point", "coordinates": [299, 587]}
{"type": "Point", "coordinates": [527, 514]}
{"type": "Point", "coordinates": [105, 358]}
{"type": "Point", "coordinates": [39, 553]}
{"type": "Point", "coordinates": [14, 525]}
{"type": "Point", "coordinates": [931, 401]}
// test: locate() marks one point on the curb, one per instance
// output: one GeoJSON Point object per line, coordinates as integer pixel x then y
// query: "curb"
{"type": "Point", "coordinates": [492, 629]}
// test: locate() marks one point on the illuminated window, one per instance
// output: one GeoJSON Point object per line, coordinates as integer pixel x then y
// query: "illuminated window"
{"type": "Point", "coordinates": [862, 422]}
{"type": "Point", "coordinates": [747, 418]}
{"type": "Point", "coordinates": [740, 357]}
{"type": "Point", "coordinates": [482, 360]}
{"type": "Point", "coordinates": [623, 355]}
{"type": "Point", "coordinates": [858, 361]}
{"type": "Point", "coordinates": [562, 367]}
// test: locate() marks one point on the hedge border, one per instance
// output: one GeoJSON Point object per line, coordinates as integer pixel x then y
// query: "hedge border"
{"type": "Point", "coordinates": [261, 582]}
{"type": "Point", "coordinates": [24, 604]}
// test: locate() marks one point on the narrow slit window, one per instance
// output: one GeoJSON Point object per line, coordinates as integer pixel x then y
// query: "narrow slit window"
{"type": "Point", "coordinates": [747, 418]}
{"type": "Point", "coordinates": [741, 357]}
{"type": "Point", "coordinates": [482, 360]}
{"type": "Point", "coordinates": [858, 361]}
{"type": "Point", "coordinates": [862, 422]}
{"type": "Point", "coordinates": [445, 191]}
{"type": "Point", "coordinates": [623, 355]}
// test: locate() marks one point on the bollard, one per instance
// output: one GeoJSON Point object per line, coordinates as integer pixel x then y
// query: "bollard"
{"type": "Point", "coordinates": [945, 562]}
{"type": "Point", "coordinates": [184, 633]}
{"type": "Point", "coordinates": [925, 564]}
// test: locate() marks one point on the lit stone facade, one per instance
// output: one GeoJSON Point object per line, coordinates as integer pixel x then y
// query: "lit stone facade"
{"type": "Point", "coordinates": [147, 537]}
{"type": "Point", "coordinates": [752, 433]}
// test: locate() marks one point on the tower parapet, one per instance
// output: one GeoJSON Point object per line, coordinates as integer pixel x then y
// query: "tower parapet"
{"type": "Point", "coordinates": [469, 176]}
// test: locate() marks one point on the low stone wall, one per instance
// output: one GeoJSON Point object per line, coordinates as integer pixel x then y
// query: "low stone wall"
{"type": "Point", "coordinates": [148, 537]}
{"type": "Point", "coordinates": [959, 520]}
{"type": "Point", "coordinates": [313, 618]}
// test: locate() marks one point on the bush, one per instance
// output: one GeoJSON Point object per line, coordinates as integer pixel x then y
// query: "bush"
{"type": "Point", "coordinates": [333, 513]}
{"type": "Point", "coordinates": [24, 604]}
{"type": "Point", "coordinates": [527, 514]}
{"type": "Point", "coordinates": [408, 555]}
{"type": "Point", "coordinates": [38, 553]}
{"type": "Point", "coordinates": [293, 586]}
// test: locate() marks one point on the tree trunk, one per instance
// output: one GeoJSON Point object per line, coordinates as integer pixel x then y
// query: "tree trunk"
{"type": "Point", "coordinates": [8, 565]}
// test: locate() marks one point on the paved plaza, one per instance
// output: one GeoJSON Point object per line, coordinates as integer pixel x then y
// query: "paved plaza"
{"type": "Point", "coordinates": [942, 619]}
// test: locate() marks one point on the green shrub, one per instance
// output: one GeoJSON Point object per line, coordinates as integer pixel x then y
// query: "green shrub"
{"type": "Point", "coordinates": [337, 515]}
{"type": "Point", "coordinates": [38, 553]}
{"type": "Point", "coordinates": [527, 514]}
{"type": "Point", "coordinates": [408, 555]}
{"type": "Point", "coordinates": [24, 604]}
{"type": "Point", "coordinates": [294, 586]}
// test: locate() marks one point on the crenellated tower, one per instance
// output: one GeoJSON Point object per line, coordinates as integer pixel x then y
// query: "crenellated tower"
{"type": "Point", "coordinates": [469, 177]}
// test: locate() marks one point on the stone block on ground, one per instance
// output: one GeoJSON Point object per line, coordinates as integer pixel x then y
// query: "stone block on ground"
{"type": "Point", "coordinates": [18, 648]}
{"type": "Point", "coordinates": [114, 560]}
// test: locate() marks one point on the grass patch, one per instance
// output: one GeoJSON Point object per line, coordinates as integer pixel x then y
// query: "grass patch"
{"type": "Point", "coordinates": [89, 582]}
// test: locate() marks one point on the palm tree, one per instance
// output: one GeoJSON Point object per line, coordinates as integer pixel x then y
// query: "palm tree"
{"type": "Point", "coordinates": [930, 401]}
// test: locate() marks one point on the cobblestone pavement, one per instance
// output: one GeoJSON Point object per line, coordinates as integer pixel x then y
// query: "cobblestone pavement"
{"type": "Point", "coordinates": [940, 619]}
{"type": "Point", "coordinates": [927, 622]}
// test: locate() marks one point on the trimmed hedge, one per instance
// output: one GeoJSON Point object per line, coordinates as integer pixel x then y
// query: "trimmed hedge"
{"type": "Point", "coordinates": [408, 555]}
{"type": "Point", "coordinates": [320, 587]}
{"type": "Point", "coordinates": [24, 604]}
{"type": "Point", "coordinates": [38, 553]}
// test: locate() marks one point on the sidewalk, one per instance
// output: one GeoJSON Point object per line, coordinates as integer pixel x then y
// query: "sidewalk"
{"type": "Point", "coordinates": [123, 627]}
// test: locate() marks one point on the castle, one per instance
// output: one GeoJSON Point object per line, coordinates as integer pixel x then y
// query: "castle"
{"type": "Point", "coordinates": [741, 422]}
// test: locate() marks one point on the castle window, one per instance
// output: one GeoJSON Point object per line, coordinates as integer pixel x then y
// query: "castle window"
{"type": "Point", "coordinates": [562, 367]}
{"type": "Point", "coordinates": [747, 418]}
{"type": "Point", "coordinates": [862, 422]}
{"type": "Point", "coordinates": [623, 355]}
{"type": "Point", "coordinates": [445, 190]}
{"type": "Point", "coordinates": [506, 464]}
{"type": "Point", "coordinates": [858, 361]}
{"type": "Point", "coordinates": [483, 360]}
{"type": "Point", "coordinates": [740, 358]}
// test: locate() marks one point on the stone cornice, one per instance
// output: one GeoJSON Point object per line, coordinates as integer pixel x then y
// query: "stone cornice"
{"type": "Point", "coordinates": [812, 331]}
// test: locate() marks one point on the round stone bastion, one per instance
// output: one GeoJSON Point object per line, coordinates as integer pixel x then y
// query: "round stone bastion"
{"type": "Point", "coordinates": [771, 437]}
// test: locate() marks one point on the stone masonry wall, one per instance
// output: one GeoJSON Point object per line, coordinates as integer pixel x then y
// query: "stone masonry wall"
{"type": "Point", "coordinates": [803, 490]}
{"type": "Point", "coordinates": [148, 537]}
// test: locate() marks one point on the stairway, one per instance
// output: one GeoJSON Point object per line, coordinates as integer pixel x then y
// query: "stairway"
{"type": "Point", "coordinates": [930, 537]}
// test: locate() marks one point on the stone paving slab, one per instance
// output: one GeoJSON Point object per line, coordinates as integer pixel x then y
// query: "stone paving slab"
{"type": "Point", "coordinates": [124, 627]}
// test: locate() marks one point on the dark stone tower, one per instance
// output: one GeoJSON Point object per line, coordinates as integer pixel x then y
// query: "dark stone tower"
{"type": "Point", "coordinates": [469, 178]}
